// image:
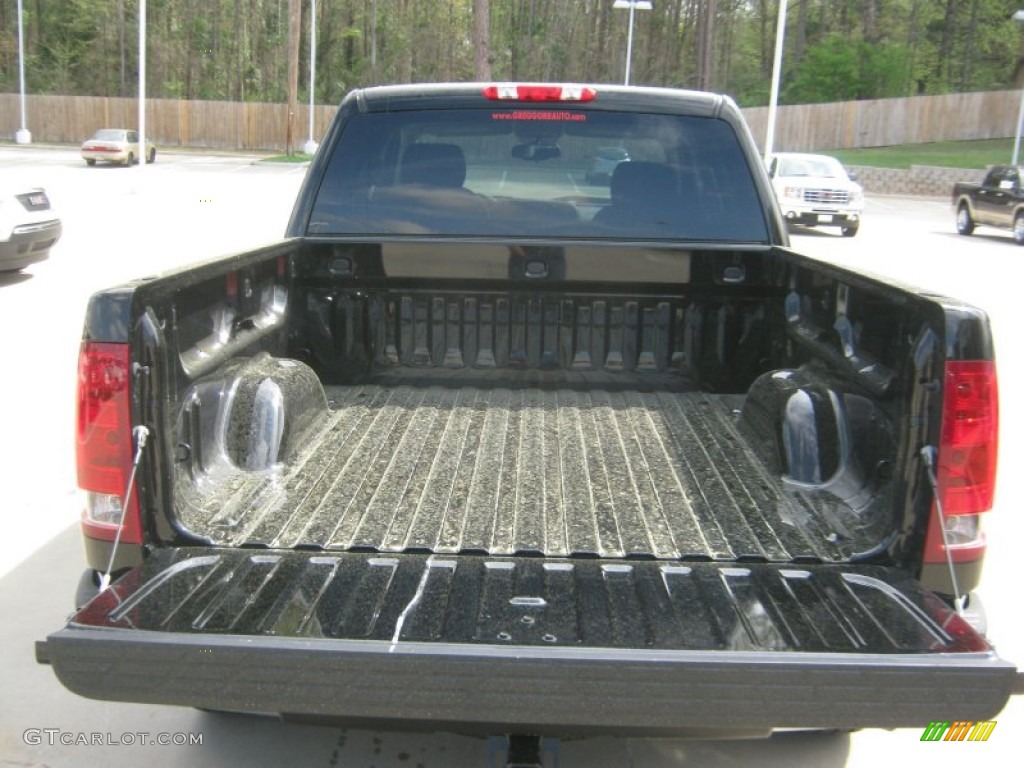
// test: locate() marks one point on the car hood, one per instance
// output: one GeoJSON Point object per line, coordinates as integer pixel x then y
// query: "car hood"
{"type": "Point", "coordinates": [830, 182]}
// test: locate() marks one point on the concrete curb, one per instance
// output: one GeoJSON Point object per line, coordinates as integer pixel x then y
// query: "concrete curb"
{"type": "Point", "coordinates": [161, 150]}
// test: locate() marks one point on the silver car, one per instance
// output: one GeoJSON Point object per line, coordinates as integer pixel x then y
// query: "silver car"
{"type": "Point", "coordinates": [604, 163]}
{"type": "Point", "coordinates": [116, 145]}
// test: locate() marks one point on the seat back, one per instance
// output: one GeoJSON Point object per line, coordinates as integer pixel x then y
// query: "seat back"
{"type": "Point", "coordinates": [430, 196]}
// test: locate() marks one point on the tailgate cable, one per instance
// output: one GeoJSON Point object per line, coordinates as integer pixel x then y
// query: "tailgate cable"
{"type": "Point", "coordinates": [928, 453]}
{"type": "Point", "coordinates": [140, 433]}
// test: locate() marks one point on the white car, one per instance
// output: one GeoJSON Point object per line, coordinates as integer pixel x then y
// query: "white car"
{"type": "Point", "coordinates": [815, 190]}
{"type": "Point", "coordinates": [116, 145]}
{"type": "Point", "coordinates": [29, 227]}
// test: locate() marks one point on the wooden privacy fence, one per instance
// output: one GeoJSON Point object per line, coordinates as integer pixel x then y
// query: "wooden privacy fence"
{"type": "Point", "coordinates": [885, 122]}
{"type": "Point", "coordinates": [252, 126]}
{"type": "Point", "coordinates": [169, 122]}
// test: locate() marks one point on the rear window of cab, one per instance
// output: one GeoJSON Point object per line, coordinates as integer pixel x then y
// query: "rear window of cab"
{"type": "Point", "coordinates": [518, 172]}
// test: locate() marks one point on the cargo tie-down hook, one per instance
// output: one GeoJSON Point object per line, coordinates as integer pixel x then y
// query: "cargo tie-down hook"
{"type": "Point", "coordinates": [930, 456]}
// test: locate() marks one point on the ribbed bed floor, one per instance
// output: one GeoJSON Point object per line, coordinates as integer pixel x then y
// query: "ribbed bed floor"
{"type": "Point", "coordinates": [548, 471]}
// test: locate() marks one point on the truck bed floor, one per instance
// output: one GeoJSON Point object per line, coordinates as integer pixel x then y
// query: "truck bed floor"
{"type": "Point", "coordinates": [545, 471]}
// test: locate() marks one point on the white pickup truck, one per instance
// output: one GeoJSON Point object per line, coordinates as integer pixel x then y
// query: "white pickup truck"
{"type": "Point", "coordinates": [815, 190]}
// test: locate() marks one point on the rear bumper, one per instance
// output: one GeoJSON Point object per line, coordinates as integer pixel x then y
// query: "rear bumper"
{"type": "Point", "coordinates": [29, 243]}
{"type": "Point", "coordinates": [561, 691]}
{"type": "Point", "coordinates": [110, 157]}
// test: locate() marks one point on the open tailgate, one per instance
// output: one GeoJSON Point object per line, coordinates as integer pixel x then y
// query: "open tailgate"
{"type": "Point", "coordinates": [627, 646]}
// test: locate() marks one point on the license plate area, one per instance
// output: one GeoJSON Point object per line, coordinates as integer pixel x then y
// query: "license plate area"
{"type": "Point", "coordinates": [34, 201]}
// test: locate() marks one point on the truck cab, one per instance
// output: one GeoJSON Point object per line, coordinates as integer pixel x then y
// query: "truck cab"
{"type": "Point", "coordinates": [997, 202]}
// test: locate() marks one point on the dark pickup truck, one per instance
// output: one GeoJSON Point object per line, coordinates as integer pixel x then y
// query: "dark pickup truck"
{"type": "Point", "coordinates": [997, 202]}
{"type": "Point", "coordinates": [481, 446]}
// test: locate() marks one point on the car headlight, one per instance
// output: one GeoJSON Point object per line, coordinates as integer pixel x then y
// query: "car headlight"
{"type": "Point", "coordinates": [793, 193]}
{"type": "Point", "coordinates": [856, 195]}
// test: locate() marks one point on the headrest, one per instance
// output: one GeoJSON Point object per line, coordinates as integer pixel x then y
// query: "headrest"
{"type": "Point", "coordinates": [640, 180]}
{"type": "Point", "coordinates": [435, 165]}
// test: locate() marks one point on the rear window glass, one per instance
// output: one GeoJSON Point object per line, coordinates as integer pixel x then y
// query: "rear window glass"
{"type": "Point", "coordinates": [539, 173]}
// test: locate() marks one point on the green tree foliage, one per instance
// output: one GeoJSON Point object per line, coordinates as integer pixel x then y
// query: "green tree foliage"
{"type": "Point", "coordinates": [839, 69]}
{"type": "Point", "coordinates": [237, 49]}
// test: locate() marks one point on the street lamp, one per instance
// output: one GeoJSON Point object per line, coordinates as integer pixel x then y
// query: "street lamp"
{"type": "Point", "coordinates": [22, 135]}
{"type": "Point", "coordinates": [773, 103]}
{"type": "Point", "coordinates": [142, 90]}
{"type": "Point", "coordinates": [1018, 16]}
{"type": "Point", "coordinates": [633, 5]}
{"type": "Point", "coordinates": [310, 146]}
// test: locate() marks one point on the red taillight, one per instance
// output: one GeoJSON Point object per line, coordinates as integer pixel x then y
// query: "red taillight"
{"type": "Point", "coordinates": [543, 93]}
{"type": "Point", "coordinates": [970, 432]}
{"type": "Point", "coordinates": [103, 441]}
{"type": "Point", "coordinates": [968, 446]}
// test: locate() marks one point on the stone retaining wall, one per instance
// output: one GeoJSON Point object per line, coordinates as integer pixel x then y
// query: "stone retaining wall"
{"type": "Point", "coordinates": [916, 181]}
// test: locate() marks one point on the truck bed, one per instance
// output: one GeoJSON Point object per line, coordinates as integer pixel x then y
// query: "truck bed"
{"type": "Point", "coordinates": [574, 464]}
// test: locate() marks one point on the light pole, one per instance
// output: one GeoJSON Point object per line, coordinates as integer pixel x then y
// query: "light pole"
{"type": "Point", "coordinates": [780, 35]}
{"type": "Point", "coordinates": [633, 6]}
{"type": "Point", "coordinates": [22, 135]}
{"type": "Point", "coordinates": [310, 146]}
{"type": "Point", "coordinates": [142, 89]}
{"type": "Point", "coordinates": [1018, 16]}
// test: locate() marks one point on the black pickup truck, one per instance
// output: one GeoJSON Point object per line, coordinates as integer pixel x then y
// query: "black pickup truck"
{"type": "Point", "coordinates": [481, 446]}
{"type": "Point", "coordinates": [997, 202]}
